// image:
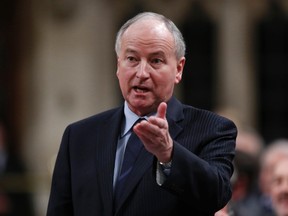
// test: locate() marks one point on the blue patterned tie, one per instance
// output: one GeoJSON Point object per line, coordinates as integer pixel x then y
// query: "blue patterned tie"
{"type": "Point", "coordinates": [132, 150]}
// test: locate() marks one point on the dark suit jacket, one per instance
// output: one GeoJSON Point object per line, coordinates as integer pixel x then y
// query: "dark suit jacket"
{"type": "Point", "coordinates": [198, 185]}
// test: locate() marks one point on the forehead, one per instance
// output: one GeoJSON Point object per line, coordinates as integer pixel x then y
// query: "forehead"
{"type": "Point", "coordinates": [150, 33]}
{"type": "Point", "coordinates": [281, 167]}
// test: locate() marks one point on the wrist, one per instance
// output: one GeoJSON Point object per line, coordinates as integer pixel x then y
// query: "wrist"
{"type": "Point", "coordinates": [166, 165]}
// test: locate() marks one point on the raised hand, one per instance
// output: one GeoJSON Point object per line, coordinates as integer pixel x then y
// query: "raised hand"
{"type": "Point", "coordinates": [155, 136]}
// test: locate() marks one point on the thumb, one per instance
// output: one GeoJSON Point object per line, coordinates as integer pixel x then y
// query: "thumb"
{"type": "Point", "coordinates": [161, 111]}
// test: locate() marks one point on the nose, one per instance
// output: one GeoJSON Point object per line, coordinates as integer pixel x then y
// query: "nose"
{"type": "Point", "coordinates": [142, 70]}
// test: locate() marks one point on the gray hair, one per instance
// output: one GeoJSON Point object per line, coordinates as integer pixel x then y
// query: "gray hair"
{"type": "Point", "coordinates": [180, 46]}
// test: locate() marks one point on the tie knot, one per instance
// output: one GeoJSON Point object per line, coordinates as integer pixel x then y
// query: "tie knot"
{"type": "Point", "coordinates": [138, 121]}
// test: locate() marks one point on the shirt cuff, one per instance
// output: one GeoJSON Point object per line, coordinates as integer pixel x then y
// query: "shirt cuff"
{"type": "Point", "coordinates": [162, 173]}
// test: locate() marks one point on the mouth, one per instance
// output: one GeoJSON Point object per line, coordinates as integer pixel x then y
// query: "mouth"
{"type": "Point", "coordinates": [139, 89]}
{"type": "Point", "coordinates": [284, 198]}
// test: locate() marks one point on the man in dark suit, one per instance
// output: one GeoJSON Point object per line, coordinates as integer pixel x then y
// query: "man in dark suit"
{"type": "Point", "coordinates": [185, 160]}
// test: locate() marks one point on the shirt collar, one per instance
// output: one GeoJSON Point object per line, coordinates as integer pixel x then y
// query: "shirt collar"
{"type": "Point", "coordinates": [130, 119]}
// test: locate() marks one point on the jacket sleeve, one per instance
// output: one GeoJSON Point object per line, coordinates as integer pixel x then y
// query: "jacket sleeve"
{"type": "Point", "coordinates": [203, 164]}
{"type": "Point", "coordinates": [60, 200]}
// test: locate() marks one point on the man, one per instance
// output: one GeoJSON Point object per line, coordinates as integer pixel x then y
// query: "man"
{"type": "Point", "coordinates": [279, 187]}
{"type": "Point", "coordinates": [272, 154]}
{"type": "Point", "coordinates": [185, 164]}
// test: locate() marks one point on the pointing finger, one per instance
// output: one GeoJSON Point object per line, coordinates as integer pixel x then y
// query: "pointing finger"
{"type": "Point", "coordinates": [161, 111]}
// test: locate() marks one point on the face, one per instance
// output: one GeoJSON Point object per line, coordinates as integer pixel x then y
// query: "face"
{"type": "Point", "coordinates": [147, 68]}
{"type": "Point", "coordinates": [279, 188]}
{"type": "Point", "coordinates": [268, 166]}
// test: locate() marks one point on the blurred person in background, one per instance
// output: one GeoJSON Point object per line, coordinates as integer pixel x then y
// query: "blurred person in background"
{"type": "Point", "coordinates": [274, 152]}
{"type": "Point", "coordinates": [245, 190]}
{"type": "Point", "coordinates": [250, 141]}
{"type": "Point", "coordinates": [244, 201]}
{"type": "Point", "coordinates": [15, 197]}
{"type": "Point", "coordinates": [279, 187]}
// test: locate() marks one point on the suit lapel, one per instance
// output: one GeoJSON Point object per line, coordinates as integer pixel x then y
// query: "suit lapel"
{"type": "Point", "coordinates": [105, 156]}
{"type": "Point", "coordinates": [174, 115]}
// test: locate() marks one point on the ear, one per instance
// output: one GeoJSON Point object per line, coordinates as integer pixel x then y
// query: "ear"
{"type": "Point", "coordinates": [117, 72]}
{"type": "Point", "coordinates": [180, 67]}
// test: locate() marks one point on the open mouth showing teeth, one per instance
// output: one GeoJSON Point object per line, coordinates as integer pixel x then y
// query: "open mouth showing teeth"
{"type": "Point", "coordinates": [140, 90]}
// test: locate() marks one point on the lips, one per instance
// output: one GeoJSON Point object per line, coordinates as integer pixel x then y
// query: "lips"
{"type": "Point", "coordinates": [139, 89]}
{"type": "Point", "coordinates": [284, 198]}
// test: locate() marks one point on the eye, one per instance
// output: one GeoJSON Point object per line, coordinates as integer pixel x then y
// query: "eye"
{"type": "Point", "coordinates": [131, 59]}
{"type": "Point", "coordinates": [276, 181]}
{"type": "Point", "coordinates": [156, 61]}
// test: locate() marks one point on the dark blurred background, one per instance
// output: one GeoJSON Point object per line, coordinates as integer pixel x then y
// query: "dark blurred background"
{"type": "Point", "coordinates": [57, 65]}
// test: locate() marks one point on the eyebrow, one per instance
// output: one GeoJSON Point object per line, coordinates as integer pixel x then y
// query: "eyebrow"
{"type": "Point", "coordinates": [129, 50]}
{"type": "Point", "coordinates": [158, 53]}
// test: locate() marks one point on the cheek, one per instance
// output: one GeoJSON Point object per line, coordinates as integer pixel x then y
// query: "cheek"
{"type": "Point", "coordinates": [121, 80]}
{"type": "Point", "coordinates": [124, 78]}
{"type": "Point", "coordinates": [167, 79]}
{"type": "Point", "coordinates": [119, 76]}
{"type": "Point", "coordinates": [275, 190]}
